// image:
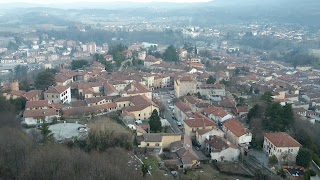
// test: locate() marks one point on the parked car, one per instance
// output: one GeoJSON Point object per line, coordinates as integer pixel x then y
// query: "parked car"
{"type": "Point", "coordinates": [179, 123]}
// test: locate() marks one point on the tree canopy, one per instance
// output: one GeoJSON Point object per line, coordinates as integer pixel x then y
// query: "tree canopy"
{"type": "Point", "coordinates": [155, 123]}
{"type": "Point", "coordinates": [304, 157]}
{"type": "Point", "coordinates": [211, 80]}
{"type": "Point", "coordinates": [171, 54]}
{"type": "Point", "coordinates": [45, 79]}
{"type": "Point", "coordinates": [78, 64]}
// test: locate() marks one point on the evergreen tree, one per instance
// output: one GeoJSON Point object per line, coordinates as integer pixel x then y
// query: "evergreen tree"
{"type": "Point", "coordinates": [171, 54]}
{"type": "Point", "coordinates": [144, 169]}
{"type": "Point", "coordinates": [304, 157]}
{"type": "Point", "coordinates": [155, 123]}
{"type": "Point", "coordinates": [211, 80]}
{"type": "Point", "coordinates": [47, 136]}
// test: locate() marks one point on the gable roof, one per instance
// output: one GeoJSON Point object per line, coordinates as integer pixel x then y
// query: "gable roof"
{"type": "Point", "coordinates": [282, 139]}
{"type": "Point", "coordinates": [36, 104]}
{"type": "Point", "coordinates": [152, 137]}
{"type": "Point", "coordinates": [199, 122]}
{"type": "Point", "coordinates": [57, 89]}
{"type": "Point", "coordinates": [235, 127]}
{"type": "Point", "coordinates": [39, 113]}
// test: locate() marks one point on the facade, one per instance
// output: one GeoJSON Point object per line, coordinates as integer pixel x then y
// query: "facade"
{"type": "Point", "coordinates": [221, 150]}
{"type": "Point", "coordinates": [282, 145]}
{"type": "Point", "coordinates": [236, 133]}
{"type": "Point", "coordinates": [58, 94]}
{"type": "Point", "coordinates": [203, 134]}
{"type": "Point", "coordinates": [185, 85]}
{"type": "Point", "coordinates": [194, 124]}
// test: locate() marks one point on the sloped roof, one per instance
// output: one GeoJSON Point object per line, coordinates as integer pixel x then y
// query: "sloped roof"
{"type": "Point", "coordinates": [199, 122]}
{"type": "Point", "coordinates": [57, 89]}
{"type": "Point", "coordinates": [235, 127]}
{"type": "Point", "coordinates": [282, 139]}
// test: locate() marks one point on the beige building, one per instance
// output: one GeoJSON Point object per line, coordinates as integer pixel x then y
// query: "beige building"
{"type": "Point", "coordinates": [282, 145]}
{"type": "Point", "coordinates": [138, 107]}
{"type": "Point", "coordinates": [58, 94]}
{"type": "Point", "coordinates": [185, 85]}
{"type": "Point", "coordinates": [194, 124]}
{"type": "Point", "coordinates": [236, 133]}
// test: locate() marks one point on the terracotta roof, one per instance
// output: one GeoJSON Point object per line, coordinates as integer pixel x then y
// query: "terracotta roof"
{"type": "Point", "coordinates": [81, 103]}
{"type": "Point", "coordinates": [199, 122]}
{"type": "Point", "coordinates": [182, 106]}
{"type": "Point", "coordinates": [39, 113]}
{"type": "Point", "coordinates": [235, 127]}
{"type": "Point", "coordinates": [282, 139]}
{"type": "Point", "coordinates": [109, 88]}
{"type": "Point", "coordinates": [57, 89]}
{"type": "Point", "coordinates": [36, 104]}
{"type": "Point", "coordinates": [219, 144]}
{"type": "Point", "coordinates": [30, 94]}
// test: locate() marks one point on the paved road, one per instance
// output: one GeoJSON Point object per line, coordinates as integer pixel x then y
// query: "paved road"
{"type": "Point", "coordinates": [165, 97]}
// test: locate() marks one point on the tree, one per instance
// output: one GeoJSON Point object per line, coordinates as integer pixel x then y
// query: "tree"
{"type": "Point", "coordinates": [21, 72]}
{"type": "Point", "coordinates": [78, 64]}
{"type": "Point", "coordinates": [47, 136]}
{"type": "Point", "coordinates": [267, 96]}
{"type": "Point", "coordinates": [304, 157]}
{"type": "Point", "coordinates": [171, 54]}
{"type": "Point", "coordinates": [273, 160]}
{"type": "Point", "coordinates": [211, 80]}
{"type": "Point", "coordinates": [155, 123]}
{"type": "Point", "coordinates": [24, 85]}
{"type": "Point", "coordinates": [144, 169]}
{"type": "Point", "coordinates": [45, 79]}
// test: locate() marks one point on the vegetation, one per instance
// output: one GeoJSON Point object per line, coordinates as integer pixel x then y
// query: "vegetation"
{"type": "Point", "coordinates": [211, 80]}
{"type": "Point", "coordinates": [170, 54]}
{"type": "Point", "coordinates": [304, 157]}
{"type": "Point", "coordinates": [108, 65]}
{"type": "Point", "coordinates": [22, 158]}
{"type": "Point", "coordinates": [273, 160]}
{"type": "Point", "coordinates": [45, 79]}
{"type": "Point", "coordinates": [155, 123]}
{"type": "Point", "coordinates": [78, 64]}
{"type": "Point", "coordinates": [144, 169]}
{"type": "Point", "coordinates": [12, 105]}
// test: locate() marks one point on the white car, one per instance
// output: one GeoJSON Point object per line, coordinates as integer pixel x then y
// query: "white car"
{"type": "Point", "coordinates": [179, 123]}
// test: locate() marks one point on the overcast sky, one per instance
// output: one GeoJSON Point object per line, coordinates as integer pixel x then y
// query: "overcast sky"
{"type": "Point", "coordinates": [75, 1]}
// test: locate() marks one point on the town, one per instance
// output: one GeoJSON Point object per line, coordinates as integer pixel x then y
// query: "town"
{"type": "Point", "coordinates": [222, 104]}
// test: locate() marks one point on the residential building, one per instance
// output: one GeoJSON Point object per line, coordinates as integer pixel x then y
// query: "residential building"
{"type": "Point", "coordinates": [203, 134]}
{"type": "Point", "coordinates": [221, 150]}
{"type": "Point", "coordinates": [58, 94]}
{"type": "Point", "coordinates": [185, 85]}
{"type": "Point", "coordinates": [236, 133]}
{"type": "Point", "coordinates": [193, 124]}
{"type": "Point", "coordinates": [282, 145]}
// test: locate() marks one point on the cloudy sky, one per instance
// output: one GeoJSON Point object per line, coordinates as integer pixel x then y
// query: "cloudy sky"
{"type": "Point", "coordinates": [75, 1]}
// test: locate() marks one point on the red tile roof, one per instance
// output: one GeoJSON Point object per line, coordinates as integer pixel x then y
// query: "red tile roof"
{"type": "Point", "coordinates": [199, 122]}
{"type": "Point", "coordinates": [235, 127]}
{"type": "Point", "coordinates": [57, 89]}
{"type": "Point", "coordinates": [282, 139]}
{"type": "Point", "coordinates": [36, 104]}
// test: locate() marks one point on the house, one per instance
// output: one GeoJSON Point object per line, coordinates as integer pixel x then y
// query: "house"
{"type": "Point", "coordinates": [181, 110]}
{"type": "Point", "coordinates": [33, 95]}
{"type": "Point", "coordinates": [58, 94]}
{"type": "Point", "coordinates": [217, 114]}
{"type": "Point", "coordinates": [221, 150]}
{"type": "Point", "coordinates": [203, 134]}
{"type": "Point", "coordinates": [282, 145]}
{"type": "Point", "coordinates": [134, 89]}
{"type": "Point", "coordinates": [139, 107]}
{"type": "Point", "coordinates": [185, 85]}
{"type": "Point", "coordinates": [193, 124]}
{"type": "Point", "coordinates": [209, 90]}
{"type": "Point", "coordinates": [236, 133]}
{"type": "Point", "coordinates": [151, 60]}
{"type": "Point", "coordinates": [156, 141]}
{"type": "Point", "coordinates": [182, 154]}
{"type": "Point", "coordinates": [39, 116]}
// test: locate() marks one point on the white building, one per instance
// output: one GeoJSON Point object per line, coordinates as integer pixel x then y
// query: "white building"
{"type": "Point", "coordinates": [58, 94]}
{"type": "Point", "coordinates": [282, 145]}
{"type": "Point", "coordinates": [203, 134]}
{"type": "Point", "coordinates": [39, 116]}
{"type": "Point", "coordinates": [221, 150]}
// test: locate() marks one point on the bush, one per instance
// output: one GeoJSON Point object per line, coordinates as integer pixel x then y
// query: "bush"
{"type": "Point", "coordinates": [312, 173]}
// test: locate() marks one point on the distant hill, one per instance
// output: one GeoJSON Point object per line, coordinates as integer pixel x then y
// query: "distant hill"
{"type": "Point", "coordinates": [217, 11]}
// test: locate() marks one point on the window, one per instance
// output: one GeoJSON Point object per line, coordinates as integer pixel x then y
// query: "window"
{"type": "Point", "coordinates": [52, 96]}
{"type": "Point", "coordinates": [148, 144]}
{"type": "Point", "coordinates": [139, 115]}
{"type": "Point", "coordinates": [157, 144]}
